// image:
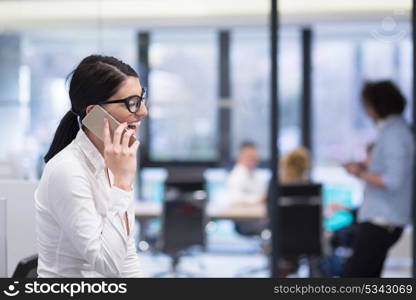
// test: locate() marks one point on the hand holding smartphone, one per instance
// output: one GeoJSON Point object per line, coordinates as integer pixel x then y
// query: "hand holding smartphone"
{"type": "Point", "coordinates": [120, 147]}
{"type": "Point", "coordinates": [94, 121]}
{"type": "Point", "coordinates": [354, 168]}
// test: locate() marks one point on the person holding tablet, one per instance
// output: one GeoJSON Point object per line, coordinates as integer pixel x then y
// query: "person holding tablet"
{"type": "Point", "coordinates": [388, 179]}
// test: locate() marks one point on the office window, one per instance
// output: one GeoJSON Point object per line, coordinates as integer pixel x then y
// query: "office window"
{"type": "Point", "coordinates": [341, 129]}
{"type": "Point", "coordinates": [378, 59]}
{"type": "Point", "coordinates": [250, 89]}
{"type": "Point", "coordinates": [183, 98]}
{"type": "Point", "coordinates": [405, 75]}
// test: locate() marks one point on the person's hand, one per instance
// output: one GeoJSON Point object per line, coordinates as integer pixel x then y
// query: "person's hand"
{"type": "Point", "coordinates": [354, 168]}
{"type": "Point", "coordinates": [119, 157]}
{"type": "Point", "coordinates": [334, 207]}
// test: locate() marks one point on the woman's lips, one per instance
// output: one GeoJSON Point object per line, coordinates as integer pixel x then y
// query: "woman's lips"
{"type": "Point", "coordinates": [134, 126]}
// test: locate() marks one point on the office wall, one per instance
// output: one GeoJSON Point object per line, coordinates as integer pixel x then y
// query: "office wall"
{"type": "Point", "coordinates": [21, 227]}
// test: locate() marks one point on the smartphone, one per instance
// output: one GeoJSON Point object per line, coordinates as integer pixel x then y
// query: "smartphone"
{"type": "Point", "coordinates": [94, 121]}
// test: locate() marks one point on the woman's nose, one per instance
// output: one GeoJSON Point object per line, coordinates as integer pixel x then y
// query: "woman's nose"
{"type": "Point", "coordinates": [142, 112]}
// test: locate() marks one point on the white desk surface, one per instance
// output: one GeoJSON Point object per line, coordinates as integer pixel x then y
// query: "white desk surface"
{"type": "Point", "coordinates": [149, 210]}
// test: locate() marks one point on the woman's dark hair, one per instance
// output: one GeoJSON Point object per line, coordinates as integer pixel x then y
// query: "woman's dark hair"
{"type": "Point", "coordinates": [384, 97]}
{"type": "Point", "coordinates": [94, 80]}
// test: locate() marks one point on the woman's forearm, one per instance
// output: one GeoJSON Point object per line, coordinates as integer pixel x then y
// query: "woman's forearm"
{"type": "Point", "coordinates": [373, 179]}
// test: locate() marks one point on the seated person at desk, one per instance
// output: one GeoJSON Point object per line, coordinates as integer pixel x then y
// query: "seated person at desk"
{"type": "Point", "coordinates": [294, 168]}
{"type": "Point", "coordinates": [246, 187]}
{"type": "Point", "coordinates": [244, 183]}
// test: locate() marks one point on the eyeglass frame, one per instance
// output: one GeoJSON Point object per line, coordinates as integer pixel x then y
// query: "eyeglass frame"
{"type": "Point", "coordinates": [142, 98]}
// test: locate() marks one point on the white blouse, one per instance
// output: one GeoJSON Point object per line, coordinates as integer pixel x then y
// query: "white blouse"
{"type": "Point", "coordinates": [245, 186]}
{"type": "Point", "coordinates": [79, 217]}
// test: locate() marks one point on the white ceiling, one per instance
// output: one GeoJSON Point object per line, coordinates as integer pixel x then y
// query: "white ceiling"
{"type": "Point", "coordinates": [149, 13]}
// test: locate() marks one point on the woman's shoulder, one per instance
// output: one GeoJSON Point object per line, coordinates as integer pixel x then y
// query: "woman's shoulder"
{"type": "Point", "coordinates": [67, 161]}
{"type": "Point", "coordinates": [400, 130]}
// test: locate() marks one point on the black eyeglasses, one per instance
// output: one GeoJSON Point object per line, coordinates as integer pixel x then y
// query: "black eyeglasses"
{"type": "Point", "coordinates": [132, 103]}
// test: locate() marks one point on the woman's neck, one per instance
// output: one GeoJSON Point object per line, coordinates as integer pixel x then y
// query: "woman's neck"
{"type": "Point", "coordinates": [95, 141]}
{"type": "Point", "coordinates": [290, 176]}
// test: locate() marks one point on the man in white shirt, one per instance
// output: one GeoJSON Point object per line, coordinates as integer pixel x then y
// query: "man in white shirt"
{"type": "Point", "coordinates": [246, 187]}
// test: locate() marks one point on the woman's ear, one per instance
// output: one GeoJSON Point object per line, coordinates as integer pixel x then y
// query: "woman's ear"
{"type": "Point", "coordinates": [89, 107]}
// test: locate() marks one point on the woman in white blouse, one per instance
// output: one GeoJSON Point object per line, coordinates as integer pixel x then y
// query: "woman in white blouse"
{"type": "Point", "coordinates": [84, 202]}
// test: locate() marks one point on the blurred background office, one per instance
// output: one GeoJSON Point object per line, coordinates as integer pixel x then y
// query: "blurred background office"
{"type": "Point", "coordinates": [207, 68]}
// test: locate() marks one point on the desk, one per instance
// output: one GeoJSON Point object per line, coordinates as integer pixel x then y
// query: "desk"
{"type": "Point", "coordinates": [236, 212]}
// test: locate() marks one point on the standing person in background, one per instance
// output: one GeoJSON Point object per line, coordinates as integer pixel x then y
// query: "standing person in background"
{"type": "Point", "coordinates": [386, 207]}
{"type": "Point", "coordinates": [84, 202]}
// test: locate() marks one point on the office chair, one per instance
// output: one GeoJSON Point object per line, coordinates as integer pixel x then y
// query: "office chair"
{"type": "Point", "coordinates": [183, 222]}
{"type": "Point", "coordinates": [26, 268]}
{"type": "Point", "coordinates": [300, 225]}
{"type": "Point", "coordinates": [300, 215]}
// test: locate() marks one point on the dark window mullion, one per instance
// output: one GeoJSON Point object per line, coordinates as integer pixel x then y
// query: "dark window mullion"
{"type": "Point", "coordinates": [414, 126]}
{"type": "Point", "coordinates": [273, 208]}
{"type": "Point", "coordinates": [306, 106]}
{"type": "Point", "coordinates": [143, 43]}
{"type": "Point", "coordinates": [224, 101]}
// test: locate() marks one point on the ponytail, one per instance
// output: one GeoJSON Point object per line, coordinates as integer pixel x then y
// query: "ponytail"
{"type": "Point", "coordinates": [66, 132]}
